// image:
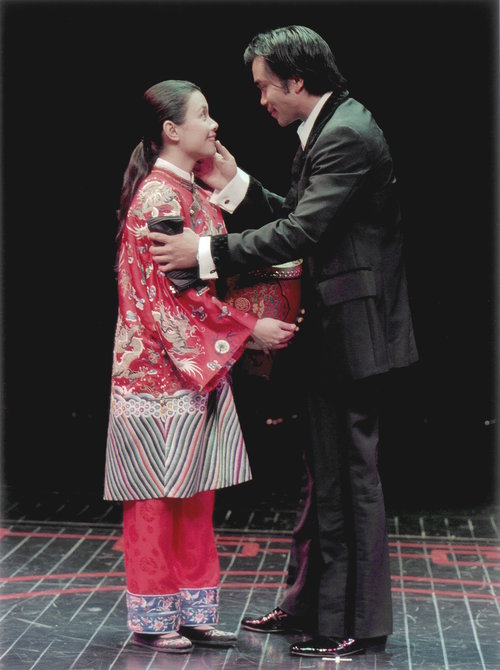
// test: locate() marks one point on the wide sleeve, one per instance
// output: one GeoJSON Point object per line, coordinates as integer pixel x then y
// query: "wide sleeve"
{"type": "Point", "coordinates": [338, 166]}
{"type": "Point", "coordinates": [202, 336]}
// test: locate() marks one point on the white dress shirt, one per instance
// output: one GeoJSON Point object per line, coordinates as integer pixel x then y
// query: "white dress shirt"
{"type": "Point", "coordinates": [167, 165]}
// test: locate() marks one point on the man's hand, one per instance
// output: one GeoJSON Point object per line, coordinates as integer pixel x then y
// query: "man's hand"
{"type": "Point", "coordinates": [217, 171]}
{"type": "Point", "coordinates": [174, 252]}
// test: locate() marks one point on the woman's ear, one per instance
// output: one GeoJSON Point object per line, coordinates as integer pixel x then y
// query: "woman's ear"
{"type": "Point", "coordinates": [170, 130]}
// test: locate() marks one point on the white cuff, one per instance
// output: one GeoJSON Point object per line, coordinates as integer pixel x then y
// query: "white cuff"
{"type": "Point", "coordinates": [205, 262]}
{"type": "Point", "coordinates": [233, 192]}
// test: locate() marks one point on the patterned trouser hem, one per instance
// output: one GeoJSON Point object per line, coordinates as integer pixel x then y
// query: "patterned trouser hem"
{"type": "Point", "coordinates": [199, 606]}
{"type": "Point", "coordinates": [153, 614]}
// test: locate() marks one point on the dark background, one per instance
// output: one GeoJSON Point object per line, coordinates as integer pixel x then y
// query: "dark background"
{"type": "Point", "coordinates": [73, 75]}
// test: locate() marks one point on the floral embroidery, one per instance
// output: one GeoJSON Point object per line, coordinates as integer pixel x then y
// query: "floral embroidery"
{"type": "Point", "coordinates": [153, 614]}
{"type": "Point", "coordinates": [225, 311]}
{"type": "Point", "coordinates": [221, 346]}
{"type": "Point", "coordinates": [199, 606]}
{"type": "Point", "coordinates": [165, 343]}
{"type": "Point", "coordinates": [165, 613]}
{"type": "Point", "coordinates": [199, 313]}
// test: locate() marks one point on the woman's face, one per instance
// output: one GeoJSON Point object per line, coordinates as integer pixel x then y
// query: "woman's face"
{"type": "Point", "coordinates": [198, 131]}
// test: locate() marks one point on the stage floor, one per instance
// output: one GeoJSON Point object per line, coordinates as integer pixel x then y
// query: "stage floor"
{"type": "Point", "coordinates": [62, 599]}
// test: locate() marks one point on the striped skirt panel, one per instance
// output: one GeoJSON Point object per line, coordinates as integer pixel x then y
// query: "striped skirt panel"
{"type": "Point", "coordinates": [173, 447]}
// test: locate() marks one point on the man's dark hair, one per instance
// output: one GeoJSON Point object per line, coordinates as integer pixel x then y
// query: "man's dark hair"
{"type": "Point", "coordinates": [298, 51]}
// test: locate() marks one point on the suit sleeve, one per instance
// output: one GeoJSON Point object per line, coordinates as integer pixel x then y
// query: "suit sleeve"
{"type": "Point", "coordinates": [337, 166]}
{"type": "Point", "coordinates": [259, 206]}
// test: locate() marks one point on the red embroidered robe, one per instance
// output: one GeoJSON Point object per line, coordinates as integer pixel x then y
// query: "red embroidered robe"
{"type": "Point", "coordinates": [170, 351]}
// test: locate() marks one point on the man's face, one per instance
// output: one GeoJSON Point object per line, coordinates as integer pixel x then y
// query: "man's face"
{"type": "Point", "coordinates": [280, 103]}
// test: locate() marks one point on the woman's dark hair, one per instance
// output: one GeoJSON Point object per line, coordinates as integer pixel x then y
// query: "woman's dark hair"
{"type": "Point", "coordinates": [297, 50]}
{"type": "Point", "coordinates": [164, 101]}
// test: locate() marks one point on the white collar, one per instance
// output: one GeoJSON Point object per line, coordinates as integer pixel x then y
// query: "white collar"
{"type": "Point", "coordinates": [304, 130]}
{"type": "Point", "coordinates": [161, 162]}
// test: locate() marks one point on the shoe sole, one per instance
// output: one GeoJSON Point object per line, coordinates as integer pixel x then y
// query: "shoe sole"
{"type": "Point", "coordinates": [369, 650]}
{"type": "Point", "coordinates": [274, 630]}
{"type": "Point", "coordinates": [213, 644]}
{"type": "Point", "coordinates": [215, 641]}
{"type": "Point", "coordinates": [259, 630]}
{"type": "Point", "coordinates": [163, 650]}
{"type": "Point", "coordinates": [326, 655]}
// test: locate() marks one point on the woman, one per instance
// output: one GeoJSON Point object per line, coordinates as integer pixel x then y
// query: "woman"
{"type": "Point", "coordinates": [174, 436]}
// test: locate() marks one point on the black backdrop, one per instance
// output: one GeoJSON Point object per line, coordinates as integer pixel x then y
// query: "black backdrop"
{"type": "Point", "coordinates": [73, 74]}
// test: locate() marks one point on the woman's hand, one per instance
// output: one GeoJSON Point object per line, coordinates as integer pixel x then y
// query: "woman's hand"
{"type": "Point", "coordinates": [218, 170]}
{"type": "Point", "coordinates": [270, 334]}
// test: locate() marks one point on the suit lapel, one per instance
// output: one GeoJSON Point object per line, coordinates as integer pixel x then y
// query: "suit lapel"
{"type": "Point", "coordinates": [325, 114]}
{"type": "Point", "coordinates": [327, 111]}
{"type": "Point", "coordinates": [297, 164]}
{"type": "Point", "coordinates": [290, 201]}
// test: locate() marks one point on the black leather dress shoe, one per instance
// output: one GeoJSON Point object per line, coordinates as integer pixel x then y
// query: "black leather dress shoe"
{"type": "Point", "coordinates": [330, 647]}
{"type": "Point", "coordinates": [276, 621]}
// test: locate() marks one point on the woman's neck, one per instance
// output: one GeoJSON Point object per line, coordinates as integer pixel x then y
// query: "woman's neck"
{"type": "Point", "coordinates": [178, 158]}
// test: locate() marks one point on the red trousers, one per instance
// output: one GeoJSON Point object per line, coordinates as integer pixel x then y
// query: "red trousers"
{"type": "Point", "coordinates": [171, 563]}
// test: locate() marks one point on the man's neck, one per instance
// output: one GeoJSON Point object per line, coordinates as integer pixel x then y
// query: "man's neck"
{"type": "Point", "coordinates": [308, 104]}
{"type": "Point", "coordinates": [305, 128]}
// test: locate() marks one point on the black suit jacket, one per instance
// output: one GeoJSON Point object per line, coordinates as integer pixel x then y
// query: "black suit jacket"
{"type": "Point", "coordinates": [341, 214]}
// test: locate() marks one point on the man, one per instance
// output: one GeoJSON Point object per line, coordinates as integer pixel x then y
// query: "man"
{"type": "Point", "coordinates": [342, 215]}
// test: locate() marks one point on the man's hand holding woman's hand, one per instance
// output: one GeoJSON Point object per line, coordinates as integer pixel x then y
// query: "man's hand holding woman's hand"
{"type": "Point", "coordinates": [174, 252]}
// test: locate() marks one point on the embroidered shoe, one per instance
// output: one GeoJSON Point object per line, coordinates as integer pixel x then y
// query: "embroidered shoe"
{"type": "Point", "coordinates": [209, 637]}
{"type": "Point", "coordinates": [172, 644]}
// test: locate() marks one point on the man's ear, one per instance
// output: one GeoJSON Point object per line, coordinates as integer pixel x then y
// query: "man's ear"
{"type": "Point", "coordinates": [170, 130]}
{"type": "Point", "coordinates": [296, 84]}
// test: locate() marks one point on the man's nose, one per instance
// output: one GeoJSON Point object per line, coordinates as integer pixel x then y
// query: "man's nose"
{"type": "Point", "coordinates": [263, 100]}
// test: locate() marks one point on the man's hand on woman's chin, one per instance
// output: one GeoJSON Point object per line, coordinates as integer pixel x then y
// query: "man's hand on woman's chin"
{"type": "Point", "coordinates": [174, 252]}
{"type": "Point", "coordinates": [216, 172]}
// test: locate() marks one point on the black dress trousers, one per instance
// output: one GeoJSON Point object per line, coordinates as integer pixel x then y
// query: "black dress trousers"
{"type": "Point", "coordinates": [339, 574]}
